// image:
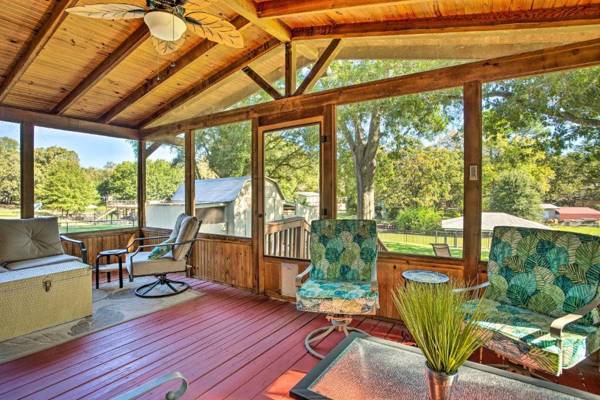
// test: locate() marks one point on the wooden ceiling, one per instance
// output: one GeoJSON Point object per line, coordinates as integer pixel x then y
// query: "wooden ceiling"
{"type": "Point", "coordinates": [108, 72]}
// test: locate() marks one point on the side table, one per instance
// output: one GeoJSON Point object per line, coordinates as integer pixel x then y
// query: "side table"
{"type": "Point", "coordinates": [119, 253]}
{"type": "Point", "coordinates": [424, 276]}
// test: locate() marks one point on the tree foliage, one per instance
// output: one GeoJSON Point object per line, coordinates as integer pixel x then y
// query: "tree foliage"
{"type": "Point", "coordinates": [419, 219]}
{"type": "Point", "coordinates": [515, 192]}
{"type": "Point", "coordinates": [9, 171]}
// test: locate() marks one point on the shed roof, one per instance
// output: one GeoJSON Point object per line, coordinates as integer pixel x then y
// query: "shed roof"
{"type": "Point", "coordinates": [577, 213]}
{"type": "Point", "coordinates": [217, 190]}
{"type": "Point", "coordinates": [489, 220]}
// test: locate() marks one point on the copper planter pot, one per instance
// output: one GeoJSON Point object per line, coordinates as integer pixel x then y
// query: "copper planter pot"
{"type": "Point", "coordinates": [439, 384]}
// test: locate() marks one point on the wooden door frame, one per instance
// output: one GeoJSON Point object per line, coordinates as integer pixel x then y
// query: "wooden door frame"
{"type": "Point", "coordinates": [323, 118]}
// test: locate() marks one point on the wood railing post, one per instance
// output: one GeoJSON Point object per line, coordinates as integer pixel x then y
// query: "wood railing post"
{"type": "Point", "coordinates": [27, 162]}
{"type": "Point", "coordinates": [472, 179]}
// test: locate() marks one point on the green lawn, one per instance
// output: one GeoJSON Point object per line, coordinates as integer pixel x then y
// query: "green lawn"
{"type": "Point", "coordinates": [589, 230]}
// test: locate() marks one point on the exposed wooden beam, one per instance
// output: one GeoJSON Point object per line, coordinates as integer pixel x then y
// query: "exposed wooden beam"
{"type": "Point", "coordinates": [53, 21]}
{"type": "Point", "coordinates": [473, 128]}
{"type": "Point", "coordinates": [27, 184]}
{"type": "Point", "coordinates": [212, 80]}
{"type": "Point", "coordinates": [192, 55]}
{"type": "Point", "coordinates": [290, 68]}
{"type": "Point", "coordinates": [113, 60]}
{"type": "Point", "coordinates": [152, 148]}
{"type": "Point", "coordinates": [320, 66]}
{"type": "Point", "coordinates": [526, 19]}
{"type": "Point", "coordinates": [19, 115]}
{"type": "Point", "coordinates": [262, 83]}
{"type": "Point", "coordinates": [287, 8]}
{"type": "Point", "coordinates": [247, 9]}
{"type": "Point", "coordinates": [575, 55]}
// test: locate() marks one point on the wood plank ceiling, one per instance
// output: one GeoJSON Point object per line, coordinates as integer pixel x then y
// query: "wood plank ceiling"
{"type": "Point", "coordinates": [108, 71]}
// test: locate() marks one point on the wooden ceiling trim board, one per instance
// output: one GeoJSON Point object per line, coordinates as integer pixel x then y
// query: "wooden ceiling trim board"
{"type": "Point", "coordinates": [53, 21]}
{"type": "Point", "coordinates": [320, 66]}
{"type": "Point", "coordinates": [274, 27]}
{"type": "Point", "coordinates": [287, 8]}
{"type": "Point", "coordinates": [262, 83]}
{"type": "Point", "coordinates": [18, 115]}
{"type": "Point", "coordinates": [575, 55]}
{"type": "Point", "coordinates": [109, 63]}
{"type": "Point", "coordinates": [215, 78]}
{"type": "Point", "coordinates": [192, 55]}
{"type": "Point", "coordinates": [528, 19]}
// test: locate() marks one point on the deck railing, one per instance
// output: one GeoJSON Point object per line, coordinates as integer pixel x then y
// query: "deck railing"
{"type": "Point", "coordinates": [288, 238]}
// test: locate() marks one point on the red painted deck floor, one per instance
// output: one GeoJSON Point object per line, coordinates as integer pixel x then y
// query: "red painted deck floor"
{"type": "Point", "coordinates": [230, 344]}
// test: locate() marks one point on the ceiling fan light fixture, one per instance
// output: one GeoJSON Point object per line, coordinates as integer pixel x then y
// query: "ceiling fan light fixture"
{"type": "Point", "coordinates": [164, 25]}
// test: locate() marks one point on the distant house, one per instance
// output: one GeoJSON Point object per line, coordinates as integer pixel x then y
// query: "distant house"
{"type": "Point", "coordinates": [549, 211]}
{"type": "Point", "coordinates": [577, 215]}
{"type": "Point", "coordinates": [308, 198]}
{"type": "Point", "coordinates": [489, 220]}
{"type": "Point", "coordinates": [224, 205]}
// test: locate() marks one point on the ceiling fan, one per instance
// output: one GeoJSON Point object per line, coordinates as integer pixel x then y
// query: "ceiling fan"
{"type": "Point", "coordinates": [167, 21]}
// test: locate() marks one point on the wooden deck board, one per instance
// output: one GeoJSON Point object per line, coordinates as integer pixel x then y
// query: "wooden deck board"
{"type": "Point", "coordinates": [229, 343]}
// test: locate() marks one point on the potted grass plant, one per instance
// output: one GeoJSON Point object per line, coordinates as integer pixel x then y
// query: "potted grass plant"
{"type": "Point", "coordinates": [443, 330]}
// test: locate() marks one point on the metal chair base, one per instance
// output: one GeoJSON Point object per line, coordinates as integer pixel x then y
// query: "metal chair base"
{"type": "Point", "coordinates": [176, 287]}
{"type": "Point", "coordinates": [339, 323]}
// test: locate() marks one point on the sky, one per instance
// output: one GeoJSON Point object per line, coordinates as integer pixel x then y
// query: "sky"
{"type": "Point", "coordinates": [93, 150]}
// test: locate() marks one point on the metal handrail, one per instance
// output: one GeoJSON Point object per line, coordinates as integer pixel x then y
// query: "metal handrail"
{"type": "Point", "coordinates": [153, 384]}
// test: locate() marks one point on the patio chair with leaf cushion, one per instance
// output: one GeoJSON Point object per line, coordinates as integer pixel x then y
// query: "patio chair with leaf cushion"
{"type": "Point", "coordinates": [170, 256]}
{"type": "Point", "coordinates": [542, 297]}
{"type": "Point", "coordinates": [342, 276]}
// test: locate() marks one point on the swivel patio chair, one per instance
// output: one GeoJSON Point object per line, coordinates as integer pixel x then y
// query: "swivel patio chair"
{"type": "Point", "coordinates": [170, 256]}
{"type": "Point", "coordinates": [542, 298]}
{"type": "Point", "coordinates": [342, 276]}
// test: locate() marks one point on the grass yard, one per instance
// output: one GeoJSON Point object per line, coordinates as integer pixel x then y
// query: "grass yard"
{"type": "Point", "coordinates": [421, 245]}
{"type": "Point", "coordinates": [588, 230]}
{"type": "Point", "coordinates": [10, 212]}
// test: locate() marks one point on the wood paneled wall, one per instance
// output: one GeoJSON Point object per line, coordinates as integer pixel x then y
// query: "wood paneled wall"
{"type": "Point", "coordinates": [389, 275]}
{"type": "Point", "coordinates": [100, 240]}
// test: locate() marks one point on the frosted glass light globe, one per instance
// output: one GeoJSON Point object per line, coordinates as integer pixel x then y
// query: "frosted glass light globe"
{"type": "Point", "coordinates": [164, 25]}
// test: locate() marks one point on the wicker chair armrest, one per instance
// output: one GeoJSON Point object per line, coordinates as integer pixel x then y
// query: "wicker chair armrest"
{"type": "Point", "coordinates": [558, 325]}
{"type": "Point", "coordinates": [300, 277]}
{"type": "Point", "coordinates": [82, 248]}
{"type": "Point", "coordinates": [473, 288]}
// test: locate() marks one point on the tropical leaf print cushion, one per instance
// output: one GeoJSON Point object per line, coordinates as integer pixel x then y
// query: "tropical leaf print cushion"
{"type": "Point", "coordinates": [549, 272]}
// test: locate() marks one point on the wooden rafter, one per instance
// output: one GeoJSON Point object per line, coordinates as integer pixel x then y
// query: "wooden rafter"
{"type": "Point", "coordinates": [262, 83]}
{"type": "Point", "coordinates": [320, 66]}
{"type": "Point", "coordinates": [112, 61]}
{"type": "Point", "coordinates": [212, 80]}
{"type": "Point", "coordinates": [287, 8]}
{"type": "Point", "coordinates": [192, 55]}
{"type": "Point", "coordinates": [274, 27]}
{"type": "Point", "coordinates": [290, 68]}
{"type": "Point", "coordinates": [18, 115]}
{"type": "Point", "coordinates": [152, 148]}
{"type": "Point", "coordinates": [527, 19]}
{"type": "Point", "coordinates": [575, 55]}
{"type": "Point", "coordinates": [56, 17]}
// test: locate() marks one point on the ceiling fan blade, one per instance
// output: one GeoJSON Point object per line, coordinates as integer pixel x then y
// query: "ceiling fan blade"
{"type": "Point", "coordinates": [165, 47]}
{"type": "Point", "coordinates": [108, 11]}
{"type": "Point", "coordinates": [215, 29]}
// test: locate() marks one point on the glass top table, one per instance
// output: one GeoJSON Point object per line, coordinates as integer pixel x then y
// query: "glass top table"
{"type": "Point", "coordinates": [363, 367]}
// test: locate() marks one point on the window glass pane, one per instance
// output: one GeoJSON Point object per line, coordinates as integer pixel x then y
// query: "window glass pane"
{"type": "Point", "coordinates": [541, 157]}
{"type": "Point", "coordinates": [88, 181]}
{"type": "Point", "coordinates": [165, 182]}
{"type": "Point", "coordinates": [10, 170]}
{"type": "Point", "coordinates": [291, 189]}
{"type": "Point", "coordinates": [400, 162]}
{"type": "Point", "coordinates": [223, 181]}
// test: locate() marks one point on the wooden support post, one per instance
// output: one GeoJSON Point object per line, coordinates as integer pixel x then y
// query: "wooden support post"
{"type": "Point", "coordinates": [290, 68]}
{"type": "Point", "coordinates": [258, 228]}
{"type": "Point", "coordinates": [472, 179]}
{"type": "Point", "coordinates": [190, 174]}
{"type": "Point", "coordinates": [27, 159]}
{"type": "Point", "coordinates": [141, 183]}
{"type": "Point", "coordinates": [328, 164]}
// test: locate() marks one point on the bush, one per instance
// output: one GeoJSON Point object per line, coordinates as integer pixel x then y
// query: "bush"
{"type": "Point", "coordinates": [419, 219]}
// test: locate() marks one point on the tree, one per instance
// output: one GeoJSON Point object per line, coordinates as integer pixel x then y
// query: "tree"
{"type": "Point", "coordinates": [9, 171]}
{"type": "Point", "coordinates": [515, 192]}
{"type": "Point", "coordinates": [419, 219]}
{"type": "Point", "coordinates": [162, 179]}
{"type": "Point", "coordinates": [226, 149]}
{"type": "Point", "coordinates": [121, 183]}
{"type": "Point", "coordinates": [66, 188]}
{"type": "Point", "coordinates": [389, 123]}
